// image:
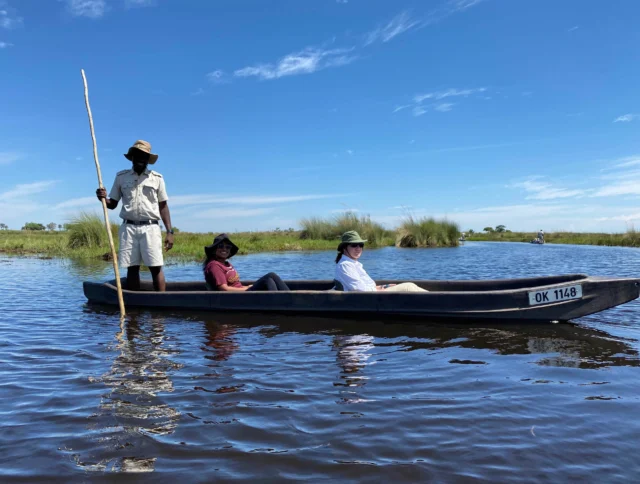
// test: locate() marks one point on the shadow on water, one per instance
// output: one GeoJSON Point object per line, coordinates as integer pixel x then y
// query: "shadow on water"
{"type": "Point", "coordinates": [131, 409]}
{"type": "Point", "coordinates": [563, 345]}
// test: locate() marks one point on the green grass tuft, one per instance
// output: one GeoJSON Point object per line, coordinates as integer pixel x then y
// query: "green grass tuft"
{"type": "Point", "coordinates": [86, 231]}
{"type": "Point", "coordinates": [332, 229]}
{"type": "Point", "coordinates": [427, 232]}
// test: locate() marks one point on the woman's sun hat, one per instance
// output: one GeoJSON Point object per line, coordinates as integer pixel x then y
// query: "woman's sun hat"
{"type": "Point", "coordinates": [350, 237]}
{"type": "Point", "coordinates": [145, 147]}
{"type": "Point", "coordinates": [210, 250]}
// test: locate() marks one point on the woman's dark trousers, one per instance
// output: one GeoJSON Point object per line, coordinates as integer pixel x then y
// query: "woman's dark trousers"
{"type": "Point", "coordinates": [269, 282]}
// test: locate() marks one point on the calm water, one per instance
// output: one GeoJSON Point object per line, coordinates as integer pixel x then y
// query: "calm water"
{"type": "Point", "coordinates": [208, 396]}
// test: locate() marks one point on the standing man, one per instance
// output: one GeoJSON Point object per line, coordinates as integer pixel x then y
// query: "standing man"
{"type": "Point", "coordinates": [144, 202]}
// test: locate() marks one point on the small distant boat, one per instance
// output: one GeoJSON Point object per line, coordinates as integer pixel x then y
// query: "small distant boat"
{"type": "Point", "coordinates": [537, 241]}
{"type": "Point", "coordinates": [551, 298]}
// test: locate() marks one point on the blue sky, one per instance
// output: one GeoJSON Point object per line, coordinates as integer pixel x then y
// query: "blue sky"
{"type": "Point", "coordinates": [517, 112]}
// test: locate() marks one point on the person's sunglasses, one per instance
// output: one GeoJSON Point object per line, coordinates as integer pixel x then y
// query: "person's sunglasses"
{"type": "Point", "coordinates": [353, 246]}
{"type": "Point", "coordinates": [224, 246]}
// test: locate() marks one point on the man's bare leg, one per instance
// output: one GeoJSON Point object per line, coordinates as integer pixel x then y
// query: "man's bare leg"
{"type": "Point", "coordinates": [159, 283]}
{"type": "Point", "coordinates": [133, 278]}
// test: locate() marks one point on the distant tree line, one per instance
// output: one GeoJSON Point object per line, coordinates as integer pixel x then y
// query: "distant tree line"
{"type": "Point", "coordinates": [499, 229]}
{"type": "Point", "coordinates": [38, 226]}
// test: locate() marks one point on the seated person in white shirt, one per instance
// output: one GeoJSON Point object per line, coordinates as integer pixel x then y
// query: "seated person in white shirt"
{"type": "Point", "coordinates": [351, 275]}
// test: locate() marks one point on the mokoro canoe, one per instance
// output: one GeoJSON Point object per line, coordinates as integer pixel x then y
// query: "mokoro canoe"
{"type": "Point", "coordinates": [552, 298]}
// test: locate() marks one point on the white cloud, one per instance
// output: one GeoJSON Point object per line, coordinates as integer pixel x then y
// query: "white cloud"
{"type": "Point", "coordinates": [306, 61]}
{"type": "Point", "coordinates": [345, 210]}
{"type": "Point", "coordinates": [626, 118]}
{"type": "Point", "coordinates": [138, 3]}
{"type": "Point", "coordinates": [627, 161]}
{"type": "Point", "coordinates": [23, 190]}
{"type": "Point", "coordinates": [183, 200]}
{"type": "Point", "coordinates": [418, 110]}
{"type": "Point", "coordinates": [77, 203]}
{"type": "Point", "coordinates": [443, 107]}
{"type": "Point", "coordinates": [4, 45]}
{"type": "Point", "coordinates": [14, 214]}
{"type": "Point", "coordinates": [313, 59]}
{"type": "Point", "coordinates": [540, 190]}
{"type": "Point", "coordinates": [349, 152]}
{"type": "Point", "coordinates": [623, 218]}
{"type": "Point", "coordinates": [398, 25]}
{"type": "Point", "coordinates": [217, 77]}
{"type": "Point", "coordinates": [400, 108]}
{"type": "Point", "coordinates": [623, 178]}
{"type": "Point", "coordinates": [529, 217]}
{"type": "Point", "coordinates": [9, 157]}
{"type": "Point", "coordinates": [87, 8]}
{"type": "Point", "coordinates": [404, 22]}
{"type": "Point", "coordinates": [198, 92]}
{"type": "Point", "coordinates": [216, 213]}
{"type": "Point", "coordinates": [8, 17]}
{"type": "Point", "coordinates": [438, 95]}
{"type": "Point", "coordinates": [461, 5]}
{"type": "Point", "coordinates": [625, 187]}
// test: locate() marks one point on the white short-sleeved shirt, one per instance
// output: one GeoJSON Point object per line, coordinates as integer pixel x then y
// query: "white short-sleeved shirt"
{"type": "Point", "coordinates": [140, 194]}
{"type": "Point", "coordinates": [352, 275]}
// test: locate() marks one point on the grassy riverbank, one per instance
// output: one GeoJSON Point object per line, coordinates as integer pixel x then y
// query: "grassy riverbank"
{"type": "Point", "coordinates": [86, 238]}
{"type": "Point", "coordinates": [188, 246]}
{"type": "Point", "coordinates": [631, 238]}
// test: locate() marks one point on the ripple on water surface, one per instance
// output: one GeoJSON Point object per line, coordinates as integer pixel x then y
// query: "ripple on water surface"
{"type": "Point", "coordinates": [206, 396]}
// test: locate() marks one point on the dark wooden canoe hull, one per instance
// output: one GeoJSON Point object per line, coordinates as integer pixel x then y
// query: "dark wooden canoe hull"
{"type": "Point", "coordinates": [506, 299]}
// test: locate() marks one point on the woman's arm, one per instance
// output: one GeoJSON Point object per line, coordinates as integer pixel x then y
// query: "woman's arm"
{"type": "Point", "coordinates": [226, 287]}
{"type": "Point", "coordinates": [385, 286]}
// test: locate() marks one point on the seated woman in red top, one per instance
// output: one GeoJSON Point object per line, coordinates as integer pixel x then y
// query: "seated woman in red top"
{"type": "Point", "coordinates": [221, 276]}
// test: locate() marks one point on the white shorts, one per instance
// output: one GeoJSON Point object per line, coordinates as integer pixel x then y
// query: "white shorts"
{"type": "Point", "coordinates": [140, 243]}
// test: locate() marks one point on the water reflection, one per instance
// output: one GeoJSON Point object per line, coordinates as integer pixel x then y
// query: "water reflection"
{"type": "Point", "coordinates": [352, 354]}
{"type": "Point", "coordinates": [220, 340]}
{"type": "Point", "coordinates": [570, 345]}
{"type": "Point", "coordinates": [567, 344]}
{"type": "Point", "coordinates": [133, 407]}
{"type": "Point", "coordinates": [89, 268]}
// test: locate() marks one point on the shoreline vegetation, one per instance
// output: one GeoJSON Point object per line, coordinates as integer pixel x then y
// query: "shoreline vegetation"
{"type": "Point", "coordinates": [86, 238]}
{"type": "Point", "coordinates": [631, 238]}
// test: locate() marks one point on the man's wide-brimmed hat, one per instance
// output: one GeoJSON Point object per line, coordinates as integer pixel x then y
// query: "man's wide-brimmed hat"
{"type": "Point", "coordinates": [210, 250]}
{"type": "Point", "coordinates": [350, 237]}
{"type": "Point", "coordinates": [143, 146]}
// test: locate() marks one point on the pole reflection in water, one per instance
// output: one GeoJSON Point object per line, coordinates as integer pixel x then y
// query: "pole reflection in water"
{"type": "Point", "coordinates": [133, 408]}
{"type": "Point", "coordinates": [353, 354]}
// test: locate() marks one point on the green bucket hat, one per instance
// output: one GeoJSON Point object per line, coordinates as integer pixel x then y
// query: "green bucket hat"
{"type": "Point", "coordinates": [350, 237]}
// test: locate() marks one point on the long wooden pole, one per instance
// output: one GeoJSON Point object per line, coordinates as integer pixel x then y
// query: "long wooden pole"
{"type": "Point", "coordinates": [107, 224]}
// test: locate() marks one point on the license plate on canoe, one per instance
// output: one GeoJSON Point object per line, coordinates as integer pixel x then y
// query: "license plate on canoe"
{"type": "Point", "coordinates": [554, 295]}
